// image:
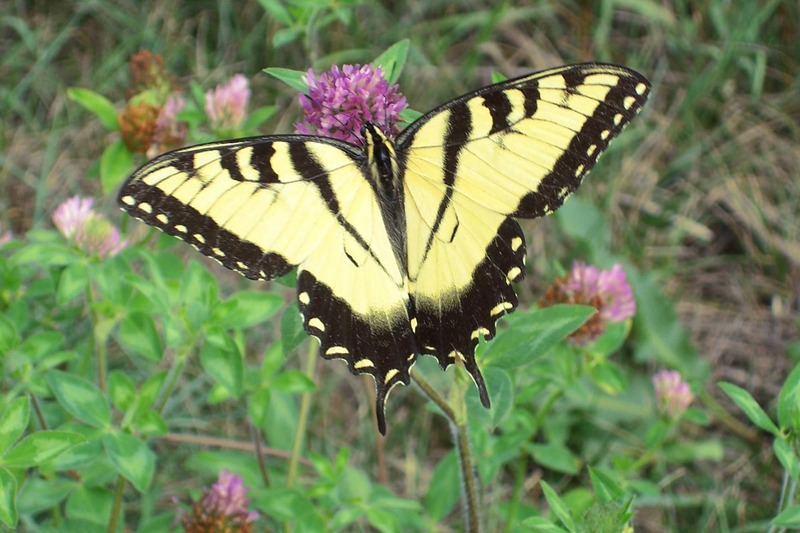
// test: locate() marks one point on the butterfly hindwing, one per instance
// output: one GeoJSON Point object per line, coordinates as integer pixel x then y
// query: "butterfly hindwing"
{"type": "Point", "coordinates": [262, 206]}
{"type": "Point", "coordinates": [513, 149]}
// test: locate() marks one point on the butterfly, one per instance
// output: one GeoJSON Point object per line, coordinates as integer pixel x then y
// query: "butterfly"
{"type": "Point", "coordinates": [403, 246]}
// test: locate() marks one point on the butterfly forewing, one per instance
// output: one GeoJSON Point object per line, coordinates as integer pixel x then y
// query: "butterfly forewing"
{"type": "Point", "coordinates": [514, 149]}
{"type": "Point", "coordinates": [264, 205]}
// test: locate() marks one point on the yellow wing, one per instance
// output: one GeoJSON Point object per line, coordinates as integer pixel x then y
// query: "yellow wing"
{"type": "Point", "coordinates": [261, 206]}
{"type": "Point", "coordinates": [514, 149]}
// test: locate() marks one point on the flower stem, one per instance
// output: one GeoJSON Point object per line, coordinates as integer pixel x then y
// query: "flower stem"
{"type": "Point", "coordinates": [470, 485]}
{"type": "Point", "coordinates": [262, 465]}
{"type": "Point", "coordinates": [302, 422]}
{"type": "Point", "coordinates": [174, 374]}
{"type": "Point", "coordinates": [119, 490]}
{"type": "Point", "coordinates": [433, 396]}
{"type": "Point", "coordinates": [458, 426]}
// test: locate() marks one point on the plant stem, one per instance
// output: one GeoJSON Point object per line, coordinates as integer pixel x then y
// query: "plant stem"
{"type": "Point", "coordinates": [470, 485]}
{"type": "Point", "coordinates": [519, 481]}
{"type": "Point", "coordinates": [116, 508]}
{"type": "Point", "coordinates": [262, 465]}
{"type": "Point", "coordinates": [433, 396]}
{"type": "Point", "coordinates": [302, 422]}
{"type": "Point", "coordinates": [458, 426]}
{"type": "Point", "coordinates": [100, 339]}
{"type": "Point", "coordinates": [174, 374]}
{"type": "Point", "coordinates": [545, 408]}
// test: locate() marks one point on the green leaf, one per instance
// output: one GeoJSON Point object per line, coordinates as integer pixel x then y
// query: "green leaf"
{"type": "Point", "coordinates": [497, 77]}
{"type": "Point", "coordinates": [149, 423]}
{"type": "Point", "coordinates": [40, 345]}
{"type": "Point", "coordinates": [90, 504]}
{"type": "Point", "coordinates": [139, 336]}
{"type": "Point", "coordinates": [501, 390]}
{"type": "Point", "coordinates": [605, 488]}
{"type": "Point", "coordinates": [612, 339]}
{"type": "Point", "coordinates": [97, 104]}
{"type": "Point", "coordinates": [540, 524]}
{"type": "Point", "coordinates": [748, 404]}
{"type": "Point", "coordinates": [284, 36]}
{"type": "Point", "coordinates": [8, 503]}
{"type": "Point", "coordinates": [199, 292]}
{"type": "Point", "coordinates": [284, 503]}
{"type": "Point", "coordinates": [345, 517]}
{"type": "Point", "coordinates": [72, 282]}
{"type": "Point", "coordinates": [393, 59]}
{"type": "Point", "coordinates": [45, 254]}
{"type": "Point", "coordinates": [9, 338]}
{"type": "Point", "coordinates": [258, 116]}
{"type": "Point", "coordinates": [80, 398]}
{"type": "Point", "coordinates": [245, 308]}
{"type": "Point", "coordinates": [132, 458]}
{"type": "Point", "coordinates": [789, 401]}
{"type": "Point", "coordinates": [280, 419]}
{"type": "Point", "coordinates": [441, 496]}
{"type": "Point", "coordinates": [13, 421]}
{"type": "Point", "coordinates": [220, 359]}
{"type": "Point", "coordinates": [608, 377]}
{"type": "Point", "coordinates": [292, 332]}
{"type": "Point", "coordinates": [293, 382]}
{"type": "Point", "coordinates": [115, 164]}
{"type": "Point", "coordinates": [150, 389]}
{"type": "Point", "coordinates": [789, 517]}
{"type": "Point", "coordinates": [533, 333]}
{"type": "Point", "coordinates": [121, 390]}
{"type": "Point", "coordinates": [292, 78]}
{"type": "Point", "coordinates": [787, 458]}
{"type": "Point", "coordinates": [40, 447]}
{"type": "Point", "coordinates": [555, 457]}
{"type": "Point", "coordinates": [38, 494]}
{"type": "Point", "coordinates": [278, 11]}
{"type": "Point", "coordinates": [557, 506]}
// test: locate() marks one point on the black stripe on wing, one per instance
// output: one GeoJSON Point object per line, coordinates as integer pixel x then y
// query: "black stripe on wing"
{"type": "Point", "coordinates": [158, 209]}
{"type": "Point", "coordinates": [450, 328]}
{"type": "Point", "coordinates": [380, 345]}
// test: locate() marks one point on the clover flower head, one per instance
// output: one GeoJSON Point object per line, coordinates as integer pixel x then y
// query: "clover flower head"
{"type": "Point", "coordinates": [673, 395]}
{"type": "Point", "coordinates": [169, 132]}
{"type": "Point", "coordinates": [72, 214]}
{"type": "Point", "coordinates": [147, 71]}
{"type": "Point", "coordinates": [606, 290]}
{"type": "Point", "coordinates": [340, 101]}
{"type": "Point", "coordinates": [226, 105]}
{"type": "Point", "coordinates": [137, 125]}
{"type": "Point", "coordinates": [222, 509]}
{"type": "Point", "coordinates": [89, 230]}
{"type": "Point", "coordinates": [6, 237]}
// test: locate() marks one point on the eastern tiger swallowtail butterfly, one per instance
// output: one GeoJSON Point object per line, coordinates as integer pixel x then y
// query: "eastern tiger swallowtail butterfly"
{"type": "Point", "coordinates": [404, 246]}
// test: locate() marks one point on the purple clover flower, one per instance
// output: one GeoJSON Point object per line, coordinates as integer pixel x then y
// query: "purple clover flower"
{"type": "Point", "coordinates": [673, 395]}
{"type": "Point", "coordinates": [340, 101]}
{"type": "Point", "coordinates": [606, 290]}
{"type": "Point", "coordinates": [226, 105]}
{"type": "Point", "coordinates": [169, 132]}
{"type": "Point", "coordinates": [222, 509]}
{"type": "Point", "coordinates": [89, 230]}
{"type": "Point", "coordinates": [73, 213]}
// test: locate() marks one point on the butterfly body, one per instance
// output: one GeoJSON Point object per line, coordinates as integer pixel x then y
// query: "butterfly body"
{"type": "Point", "coordinates": [402, 246]}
